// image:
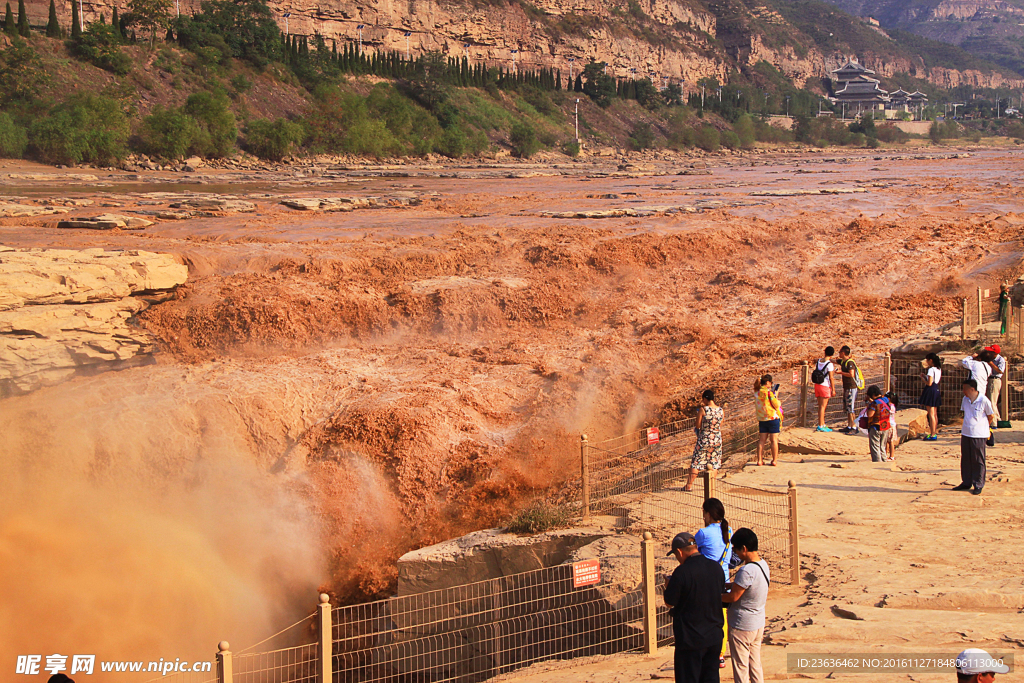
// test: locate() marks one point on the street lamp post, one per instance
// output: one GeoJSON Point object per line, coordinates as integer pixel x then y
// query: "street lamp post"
{"type": "Point", "coordinates": [577, 114]}
{"type": "Point", "coordinates": [286, 31]}
{"type": "Point", "coordinates": [360, 29]}
{"type": "Point", "coordinates": [465, 48]}
{"type": "Point", "coordinates": [407, 34]}
{"type": "Point", "coordinates": [515, 69]}
{"type": "Point", "coordinates": [787, 106]}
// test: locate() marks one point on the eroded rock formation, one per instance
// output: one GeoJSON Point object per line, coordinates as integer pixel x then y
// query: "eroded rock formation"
{"type": "Point", "coordinates": [63, 310]}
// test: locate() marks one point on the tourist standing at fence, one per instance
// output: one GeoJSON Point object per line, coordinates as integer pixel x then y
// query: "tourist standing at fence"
{"type": "Point", "coordinates": [769, 418]}
{"type": "Point", "coordinates": [997, 366]}
{"type": "Point", "coordinates": [707, 452]}
{"type": "Point", "coordinates": [931, 396]}
{"type": "Point", "coordinates": [853, 381]}
{"type": "Point", "coordinates": [979, 366]}
{"type": "Point", "coordinates": [823, 385]}
{"type": "Point", "coordinates": [1004, 310]}
{"type": "Point", "coordinates": [713, 543]}
{"type": "Point", "coordinates": [976, 429]}
{"type": "Point", "coordinates": [746, 597]}
{"type": "Point", "coordinates": [694, 593]}
{"type": "Point", "coordinates": [877, 414]}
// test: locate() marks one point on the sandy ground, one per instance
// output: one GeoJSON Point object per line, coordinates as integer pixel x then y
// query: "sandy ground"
{"type": "Point", "coordinates": [388, 378]}
{"type": "Point", "coordinates": [893, 563]}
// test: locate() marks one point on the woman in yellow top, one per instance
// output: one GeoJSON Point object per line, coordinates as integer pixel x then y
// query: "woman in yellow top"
{"type": "Point", "coordinates": [769, 418]}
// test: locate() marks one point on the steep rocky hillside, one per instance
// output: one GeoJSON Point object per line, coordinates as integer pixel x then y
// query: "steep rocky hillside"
{"type": "Point", "coordinates": [682, 40]}
{"type": "Point", "coordinates": [991, 29]}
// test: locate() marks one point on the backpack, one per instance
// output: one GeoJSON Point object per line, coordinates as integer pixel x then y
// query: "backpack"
{"type": "Point", "coordinates": [858, 376]}
{"type": "Point", "coordinates": [882, 414]}
{"type": "Point", "coordinates": [817, 374]}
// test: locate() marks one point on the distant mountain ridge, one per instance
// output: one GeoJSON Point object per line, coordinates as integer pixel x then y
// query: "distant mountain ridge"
{"type": "Point", "coordinates": [990, 29]}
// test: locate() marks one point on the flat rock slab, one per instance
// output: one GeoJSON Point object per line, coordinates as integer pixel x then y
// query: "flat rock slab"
{"type": "Point", "coordinates": [216, 204]}
{"type": "Point", "coordinates": [28, 210]}
{"type": "Point", "coordinates": [107, 221]}
{"type": "Point", "coordinates": [800, 193]}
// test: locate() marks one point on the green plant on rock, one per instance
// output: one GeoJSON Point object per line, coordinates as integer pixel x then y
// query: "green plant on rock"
{"type": "Point", "coordinates": [539, 517]}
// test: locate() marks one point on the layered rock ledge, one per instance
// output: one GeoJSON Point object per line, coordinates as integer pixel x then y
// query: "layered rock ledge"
{"type": "Point", "coordinates": [63, 311]}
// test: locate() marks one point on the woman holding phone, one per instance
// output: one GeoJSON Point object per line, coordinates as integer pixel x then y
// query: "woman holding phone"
{"type": "Point", "coordinates": [769, 417]}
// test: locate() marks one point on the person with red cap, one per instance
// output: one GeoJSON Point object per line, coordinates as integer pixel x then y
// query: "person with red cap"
{"type": "Point", "coordinates": [995, 381]}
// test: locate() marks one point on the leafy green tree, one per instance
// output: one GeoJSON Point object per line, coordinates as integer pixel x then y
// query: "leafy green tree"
{"type": "Point", "coordinates": [598, 85]}
{"type": "Point", "coordinates": [646, 94]}
{"type": "Point", "coordinates": [168, 133]}
{"type": "Point", "coordinates": [13, 138]}
{"type": "Point", "coordinates": [151, 15]}
{"type": "Point", "coordinates": [52, 25]}
{"type": "Point", "coordinates": [642, 137]}
{"type": "Point", "coordinates": [708, 139]}
{"type": "Point", "coordinates": [246, 27]}
{"type": "Point", "coordinates": [23, 28]}
{"type": "Point", "coordinates": [84, 128]}
{"type": "Point", "coordinates": [523, 140]}
{"type": "Point", "coordinates": [100, 44]}
{"type": "Point", "coordinates": [673, 94]}
{"type": "Point", "coordinates": [273, 140]}
{"type": "Point", "coordinates": [745, 131]}
{"type": "Point", "coordinates": [22, 75]}
{"type": "Point", "coordinates": [217, 131]}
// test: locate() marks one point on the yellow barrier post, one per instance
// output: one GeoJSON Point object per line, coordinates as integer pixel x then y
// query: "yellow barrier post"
{"type": "Point", "coordinates": [803, 394]}
{"type": "Point", "coordinates": [888, 372]}
{"type": "Point", "coordinates": [650, 594]}
{"type": "Point", "coordinates": [981, 321]}
{"type": "Point", "coordinates": [709, 483]}
{"type": "Point", "coordinates": [325, 656]}
{"type": "Point", "coordinates": [585, 474]}
{"type": "Point", "coordinates": [225, 671]}
{"type": "Point", "coordinates": [794, 537]}
{"type": "Point", "coordinates": [964, 319]}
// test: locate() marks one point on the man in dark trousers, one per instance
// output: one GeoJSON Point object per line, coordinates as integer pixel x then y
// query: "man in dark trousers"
{"type": "Point", "coordinates": [694, 592]}
{"type": "Point", "coordinates": [975, 432]}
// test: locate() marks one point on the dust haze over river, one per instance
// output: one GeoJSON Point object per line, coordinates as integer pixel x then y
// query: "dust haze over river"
{"type": "Point", "coordinates": [332, 390]}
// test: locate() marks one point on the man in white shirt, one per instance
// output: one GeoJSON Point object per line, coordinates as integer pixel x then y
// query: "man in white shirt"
{"type": "Point", "coordinates": [978, 419]}
{"type": "Point", "coordinates": [978, 366]}
{"type": "Point", "coordinates": [995, 382]}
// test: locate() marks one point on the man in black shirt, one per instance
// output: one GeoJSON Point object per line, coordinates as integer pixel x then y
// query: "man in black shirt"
{"type": "Point", "coordinates": [694, 592]}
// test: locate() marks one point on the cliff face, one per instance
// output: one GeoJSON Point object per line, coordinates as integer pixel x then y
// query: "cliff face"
{"type": "Point", "coordinates": [664, 39]}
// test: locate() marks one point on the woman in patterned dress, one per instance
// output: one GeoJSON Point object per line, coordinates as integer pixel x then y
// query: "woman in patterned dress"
{"type": "Point", "coordinates": [707, 453]}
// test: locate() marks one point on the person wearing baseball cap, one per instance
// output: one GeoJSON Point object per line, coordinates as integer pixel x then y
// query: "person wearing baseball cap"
{"type": "Point", "coordinates": [977, 666]}
{"type": "Point", "coordinates": [694, 592]}
{"type": "Point", "coordinates": [995, 382]}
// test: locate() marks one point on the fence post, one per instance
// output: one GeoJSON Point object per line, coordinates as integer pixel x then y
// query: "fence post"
{"type": "Point", "coordinates": [888, 372]}
{"type": "Point", "coordinates": [325, 663]}
{"type": "Point", "coordinates": [709, 483]}
{"type": "Point", "coordinates": [981, 321]}
{"type": "Point", "coordinates": [225, 671]}
{"type": "Point", "coordinates": [1020, 329]}
{"type": "Point", "coordinates": [650, 594]}
{"type": "Point", "coordinates": [794, 538]}
{"type": "Point", "coordinates": [963, 319]}
{"type": "Point", "coordinates": [585, 474]}
{"type": "Point", "coordinates": [803, 394]}
{"type": "Point", "coordinates": [1004, 396]}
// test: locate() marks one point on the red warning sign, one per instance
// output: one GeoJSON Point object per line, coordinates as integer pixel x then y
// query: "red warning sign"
{"type": "Point", "coordinates": [796, 375]}
{"type": "Point", "coordinates": [586, 573]}
{"type": "Point", "coordinates": [653, 436]}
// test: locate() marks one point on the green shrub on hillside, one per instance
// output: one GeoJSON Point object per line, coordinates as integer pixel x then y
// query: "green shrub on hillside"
{"type": "Point", "coordinates": [13, 138]}
{"type": "Point", "coordinates": [85, 128]}
{"type": "Point", "coordinates": [641, 137]}
{"type": "Point", "coordinates": [168, 133]}
{"type": "Point", "coordinates": [729, 139]}
{"type": "Point", "coordinates": [244, 29]}
{"type": "Point", "coordinates": [745, 131]}
{"type": "Point", "coordinates": [890, 133]}
{"type": "Point", "coordinates": [523, 140]}
{"type": "Point", "coordinates": [217, 133]}
{"type": "Point", "coordinates": [272, 140]}
{"type": "Point", "coordinates": [571, 148]}
{"type": "Point", "coordinates": [100, 44]}
{"type": "Point", "coordinates": [708, 139]}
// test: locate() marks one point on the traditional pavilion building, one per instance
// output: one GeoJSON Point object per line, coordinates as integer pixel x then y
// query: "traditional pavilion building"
{"type": "Point", "coordinates": [856, 90]}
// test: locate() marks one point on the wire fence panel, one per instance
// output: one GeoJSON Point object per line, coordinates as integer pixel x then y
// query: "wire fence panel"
{"type": "Point", "coordinates": [288, 665]}
{"type": "Point", "coordinates": [188, 677]}
{"type": "Point", "coordinates": [476, 632]}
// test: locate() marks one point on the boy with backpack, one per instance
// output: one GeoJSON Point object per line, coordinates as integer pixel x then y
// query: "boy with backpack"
{"type": "Point", "coordinates": [853, 381]}
{"type": "Point", "coordinates": [821, 376]}
{"type": "Point", "coordinates": [879, 414]}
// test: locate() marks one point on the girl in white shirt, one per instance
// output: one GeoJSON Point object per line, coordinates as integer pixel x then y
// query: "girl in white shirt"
{"type": "Point", "coordinates": [931, 397]}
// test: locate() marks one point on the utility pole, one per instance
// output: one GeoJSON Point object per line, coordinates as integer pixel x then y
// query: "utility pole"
{"type": "Point", "coordinates": [514, 68]}
{"type": "Point", "coordinates": [360, 29]}
{"type": "Point", "coordinates": [81, 15]}
{"type": "Point", "coordinates": [177, 9]}
{"type": "Point", "coordinates": [286, 31]}
{"type": "Point", "coordinates": [787, 106]}
{"type": "Point", "coordinates": [702, 98]}
{"type": "Point", "coordinates": [577, 121]}
{"type": "Point", "coordinates": [571, 61]}
{"type": "Point", "coordinates": [407, 34]}
{"type": "Point", "coordinates": [465, 48]}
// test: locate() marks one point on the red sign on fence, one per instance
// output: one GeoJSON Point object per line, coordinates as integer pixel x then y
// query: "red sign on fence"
{"type": "Point", "coordinates": [586, 573]}
{"type": "Point", "coordinates": [653, 436]}
{"type": "Point", "coordinates": [796, 375]}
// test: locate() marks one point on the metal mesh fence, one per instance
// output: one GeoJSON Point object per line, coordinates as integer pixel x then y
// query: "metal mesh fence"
{"type": "Point", "coordinates": [482, 630]}
{"type": "Point", "coordinates": [287, 665]}
{"type": "Point", "coordinates": [188, 677]}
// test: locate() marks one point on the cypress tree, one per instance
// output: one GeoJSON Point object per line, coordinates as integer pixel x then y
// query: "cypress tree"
{"type": "Point", "coordinates": [53, 26]}
{"type": "Point", "coordinates": [76, 24]}
{"type": "Point", "coordinates": [103, 18]}
{"type": "Point", "coordinates": [578, 85]}
{"type": "Point", "coordinates": [10, 28]}
{"type": "Point", "coordinates": [115, 21]}
{"type": "Point", "coordinates": [23, 29]}
{"type": "Point", "coordinates": [558, 79]}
